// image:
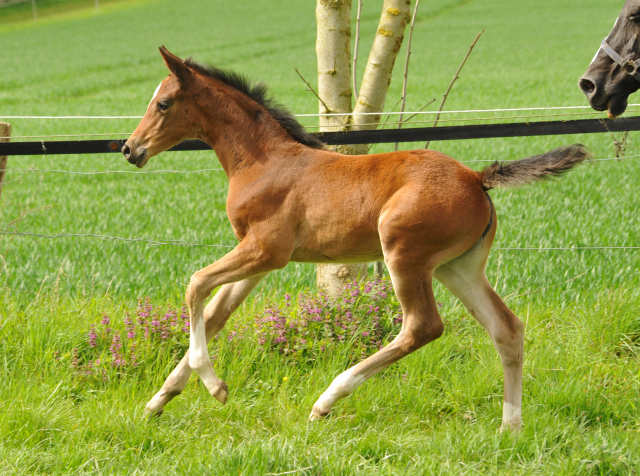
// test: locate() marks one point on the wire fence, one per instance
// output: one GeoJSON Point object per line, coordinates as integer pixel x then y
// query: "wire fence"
{"type": "Point", "coordinates": [587, 111]}
{"type": "Point", "coordinates": [155, 242]}
{"type": "Point", "coordinates": [145, 172]}
{"type": "Point", "coordinates": [218, 169]}
{"type": "Point", "coordinates": [362, 136]}
{"type": "Point", "coordinates": [386, 123]}
{"type": "Point", "coordinates": [465, 111]}
{"type": "Point", "coordinates": [183, 243]}
{"type": "Point", "coordinates": [114, 238]}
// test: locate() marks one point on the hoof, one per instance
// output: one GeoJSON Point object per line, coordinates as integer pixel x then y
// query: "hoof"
{"type": "Point", "coordinates": [221, 392]}
{"type": "Point", "coordinates": [514, 427]}
{"type": "Point", "coordinates": [317, 414]}
{"type": "Point", "coordinates": [150, 413]}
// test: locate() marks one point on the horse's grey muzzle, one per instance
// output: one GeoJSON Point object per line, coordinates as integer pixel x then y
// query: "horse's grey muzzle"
{"type": "Point", "coordinates": [136, 157]}
{"type": "Point", "coordinates": [587, 86]}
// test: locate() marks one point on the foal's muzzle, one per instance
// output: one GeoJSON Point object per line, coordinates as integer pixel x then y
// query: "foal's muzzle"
{"type": "Point", "coordinates": [135, 155]}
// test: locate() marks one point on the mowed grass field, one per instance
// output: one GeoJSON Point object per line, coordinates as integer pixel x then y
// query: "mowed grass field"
{"type": "Point", "coordinates": [435, 412]}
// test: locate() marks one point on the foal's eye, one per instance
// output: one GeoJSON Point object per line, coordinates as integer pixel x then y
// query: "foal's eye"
{"type": "Point", "coordinates": [635, 17]}
{"type": "Point", "coordinates": [162, 106]}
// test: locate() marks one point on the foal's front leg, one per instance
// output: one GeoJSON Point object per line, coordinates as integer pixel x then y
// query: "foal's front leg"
{"type": "Point", "coordinates": [248, 259]}
{"type": "Point", "coordinates": [216, 314]}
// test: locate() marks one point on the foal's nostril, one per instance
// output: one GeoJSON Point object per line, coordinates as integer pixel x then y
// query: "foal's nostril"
{"type": "Point", "coordinates": [126, 151]}
{"type": "Point", "coordinates": [587, 86]}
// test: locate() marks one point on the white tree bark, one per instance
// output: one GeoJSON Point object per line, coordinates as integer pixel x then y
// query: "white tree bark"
{"type": "Point", "coordinates": [377, 75]}
{"type": "Point", "coordinates": [333, 50]}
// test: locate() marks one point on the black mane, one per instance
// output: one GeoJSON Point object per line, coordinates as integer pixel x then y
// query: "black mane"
{"type": "Point", "coordinates": [258, 92]}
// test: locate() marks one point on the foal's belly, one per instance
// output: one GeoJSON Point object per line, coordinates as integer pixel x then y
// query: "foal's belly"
{"type": "Point", "coordinates": [336, 245]}
{"type": "Point", "coordinates": [315, 256]}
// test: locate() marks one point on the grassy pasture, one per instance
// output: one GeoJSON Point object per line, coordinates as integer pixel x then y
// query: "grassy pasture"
{"type": "Point", "coordinates": [20, 15]}
{"type": "Point", "coordinates": [434, 412]}
{"type": "Point", "coordinates": [92, 68]}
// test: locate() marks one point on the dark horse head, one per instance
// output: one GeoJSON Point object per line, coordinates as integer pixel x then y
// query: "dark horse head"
{"type": "Point", "coordinates": [613, 73]}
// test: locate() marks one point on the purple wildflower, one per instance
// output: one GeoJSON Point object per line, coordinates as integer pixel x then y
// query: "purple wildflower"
{"type": "Point", "coordinates": [93, 336]}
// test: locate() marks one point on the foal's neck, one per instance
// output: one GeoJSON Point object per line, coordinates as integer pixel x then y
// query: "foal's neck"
{"type": "Point", "coordinates": [240, 131]}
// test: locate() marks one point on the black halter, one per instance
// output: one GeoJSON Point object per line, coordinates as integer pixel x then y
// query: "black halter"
{"type": "Point", "coordinates": [630, 67]}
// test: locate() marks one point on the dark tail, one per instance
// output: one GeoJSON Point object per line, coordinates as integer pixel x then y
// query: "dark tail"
{"type": "Point", "coordinates": [539, 167]}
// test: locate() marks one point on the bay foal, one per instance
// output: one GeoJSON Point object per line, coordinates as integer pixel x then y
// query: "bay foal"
{"type": "Point", "coordinates": [289, 199]}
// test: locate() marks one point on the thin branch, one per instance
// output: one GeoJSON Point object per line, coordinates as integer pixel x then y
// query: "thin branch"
{"type": "Point", "coordinates": [455, 76]}
{"type": "Point", "coordinates": [406, 67]}
{"type": "Point", "coordinates": [389, 114]}
{"type": "Point", "coordinates": [355, 51]}
{"type": "Point", "coordinates": [313, 91]}
{"type": "Point", "coordinates": [385, 122]}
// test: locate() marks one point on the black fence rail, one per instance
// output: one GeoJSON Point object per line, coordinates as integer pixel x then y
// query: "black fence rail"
{"type": "Point", "coordinates": [377, 136]}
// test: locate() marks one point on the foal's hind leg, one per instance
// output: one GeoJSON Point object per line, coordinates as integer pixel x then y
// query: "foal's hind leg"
{"type": "Point", "coordinates": [216, 314]}
{"type": "Point", "coordinates": [465, 278]}
{"type": "Point", "coordinates": [421, 325]}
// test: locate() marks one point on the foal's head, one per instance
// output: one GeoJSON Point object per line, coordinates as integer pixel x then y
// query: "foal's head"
{"type": "Point", "coordinates": [613, 73]}
{"type": "Point", "coordinates": [168, 119]}
{"type": "Point", "coordinates": [195, 100]}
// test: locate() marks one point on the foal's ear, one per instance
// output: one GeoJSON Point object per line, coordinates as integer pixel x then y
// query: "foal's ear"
{"type": "Point", "coordinates": [177, 66]}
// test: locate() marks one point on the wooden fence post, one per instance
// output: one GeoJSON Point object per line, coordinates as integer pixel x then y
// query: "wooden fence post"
{"type": "Point", "coordinates": [5, 133]}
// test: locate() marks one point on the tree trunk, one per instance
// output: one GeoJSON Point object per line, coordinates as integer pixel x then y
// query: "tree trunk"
{"type": "Point", "coordinates": [377, 75]}
{"type": "Point", "coordinates": [333, 50]}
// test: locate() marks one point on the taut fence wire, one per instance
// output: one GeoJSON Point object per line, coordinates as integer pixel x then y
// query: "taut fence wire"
{"type": "Point", "coordinates": [137, 172]}
{"type": "Point", "coordinates": [219, 169]}
{"type": "Point", "coordinates": [376, 136]}
{"type": "Point", "coordinates": [478, 131]}
{"type": "Point", "coordinates": [344, 126]}
{"type": "Point", "coordinates": [154, 242]}
{"type": "Point", "coordinates": [517, 109]}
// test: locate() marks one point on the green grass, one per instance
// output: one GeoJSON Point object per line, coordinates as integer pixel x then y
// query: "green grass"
{"type": "Point", "coordinates": [533, 59]}
{"type": "Point", "coordinates": [581, 308]}
{"type": "Point", "coordinates": [20, 15]}
{"type": "Point", "coordinates": [435, 412]}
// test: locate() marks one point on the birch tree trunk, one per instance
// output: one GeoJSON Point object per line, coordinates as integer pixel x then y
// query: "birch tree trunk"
{"type": "Point", "coordinates": [395, 16]}
{"type": "Point", "coordinates": [333, 50]}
